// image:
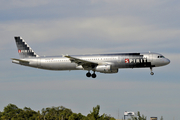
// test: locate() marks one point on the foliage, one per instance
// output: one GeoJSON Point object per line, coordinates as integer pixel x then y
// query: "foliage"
{"type": "Point", "coordinates": [139, 117]}
{"type": "Point", "coordinates": [94, 115]}
{"type": "Point", "coordinates": [12, 112]}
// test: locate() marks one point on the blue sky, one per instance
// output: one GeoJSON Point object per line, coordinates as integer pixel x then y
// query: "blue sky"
{"type": "Point", "coordinates": [92, 26]}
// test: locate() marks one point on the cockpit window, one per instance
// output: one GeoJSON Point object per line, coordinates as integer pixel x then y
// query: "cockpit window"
{"type": "Point", "coordinates": [161, 56]}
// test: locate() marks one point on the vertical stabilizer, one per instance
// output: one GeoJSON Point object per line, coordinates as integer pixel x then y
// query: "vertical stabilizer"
{"type": "Point", "coordinates": [24, 49]}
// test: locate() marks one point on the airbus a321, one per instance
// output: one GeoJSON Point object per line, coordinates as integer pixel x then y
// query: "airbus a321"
{"type": "Point", "coordinates": [103, 63]}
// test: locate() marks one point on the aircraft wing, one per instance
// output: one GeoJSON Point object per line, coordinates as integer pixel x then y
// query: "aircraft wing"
{"type": "Point", "coordinates": [85, 64]}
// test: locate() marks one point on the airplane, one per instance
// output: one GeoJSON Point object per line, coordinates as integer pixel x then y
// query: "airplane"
{"type": "Point", "coordinates": [103, 63]}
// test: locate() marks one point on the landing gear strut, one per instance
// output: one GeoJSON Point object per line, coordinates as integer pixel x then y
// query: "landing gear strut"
{"type": "Point", "coordinates": [91, 75]}
{"type": "Point", "coordinates": [151, 71]}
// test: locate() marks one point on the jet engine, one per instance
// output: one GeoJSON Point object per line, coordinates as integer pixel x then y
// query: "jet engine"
{"type": "Point", "coordinates": [106, 69]}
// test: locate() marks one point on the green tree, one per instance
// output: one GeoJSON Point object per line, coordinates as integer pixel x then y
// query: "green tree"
{"type": "Point", "coordinates": [78, 116]}
{"type": "Point", "coordinates": [66, 113]}
{"type": "Point", "coordinates": [0, 115]}
{"type": "Point", "coordinates": [56, 113]}
{"type": "Point", "coordinates": [44, 113]}
{"type": "Point", "coordinates": [94, 115]}
{"type": "Point", "coordinates": [107, 117]}
{"type": "Point", "coordinates": [73, 116]}
{"type": "Point", "coordinates": [29, 114]}
{"type": "Point", "coordinates": [139, 117]}
{"type": "Point", "coordinates": [10, 111]}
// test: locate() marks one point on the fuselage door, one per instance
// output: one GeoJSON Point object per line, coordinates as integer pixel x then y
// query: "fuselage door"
{"type": "Point", "coordinates": [119, 59]}
{"type": "Point", "coordinates": [150, 57]}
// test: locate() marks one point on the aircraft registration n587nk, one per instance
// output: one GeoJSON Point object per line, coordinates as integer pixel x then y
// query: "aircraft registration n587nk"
{"type": "Point", "coordinates": [103, 63]}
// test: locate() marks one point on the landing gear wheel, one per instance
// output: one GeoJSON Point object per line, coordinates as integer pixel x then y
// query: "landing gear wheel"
{"type": "Point", "coordinates": [93, 75]}
{"type": "Point", "coordinates": [88, 74]}
{"type": "Point", "coordinates": [152, 73]}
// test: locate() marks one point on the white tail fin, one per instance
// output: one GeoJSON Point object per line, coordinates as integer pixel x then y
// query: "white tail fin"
{"type": "Point", "coordinates": [24, 49]}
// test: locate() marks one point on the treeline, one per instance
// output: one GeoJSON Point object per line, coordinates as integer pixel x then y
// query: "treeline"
{"type": "Point", "coordinates": [138, 117]}
{"type": "Point", "coordinates": [12, 112]}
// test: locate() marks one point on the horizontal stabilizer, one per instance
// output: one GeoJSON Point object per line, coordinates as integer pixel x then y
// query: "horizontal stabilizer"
{"type": "Point", "coordinates": [23, 61]}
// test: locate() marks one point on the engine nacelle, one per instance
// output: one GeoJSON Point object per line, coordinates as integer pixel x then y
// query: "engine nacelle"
{"type": "Point", "coordinates": [106, 69]}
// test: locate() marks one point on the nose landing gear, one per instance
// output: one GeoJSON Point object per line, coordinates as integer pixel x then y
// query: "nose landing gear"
{"type": "Point", "coordinates": [91, 75]}
{"type": "Point", "coordinates": [151, 71]}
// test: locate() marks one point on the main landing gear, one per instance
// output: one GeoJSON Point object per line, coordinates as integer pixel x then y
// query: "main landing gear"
{"type": "Point", "coordinates": [91, 75]}
{"type": "Point", "coordinates": [151, 71]}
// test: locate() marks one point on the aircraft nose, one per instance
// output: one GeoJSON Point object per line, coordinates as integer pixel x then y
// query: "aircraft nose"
{"type": "Point", "coordinates": [167, 61]}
